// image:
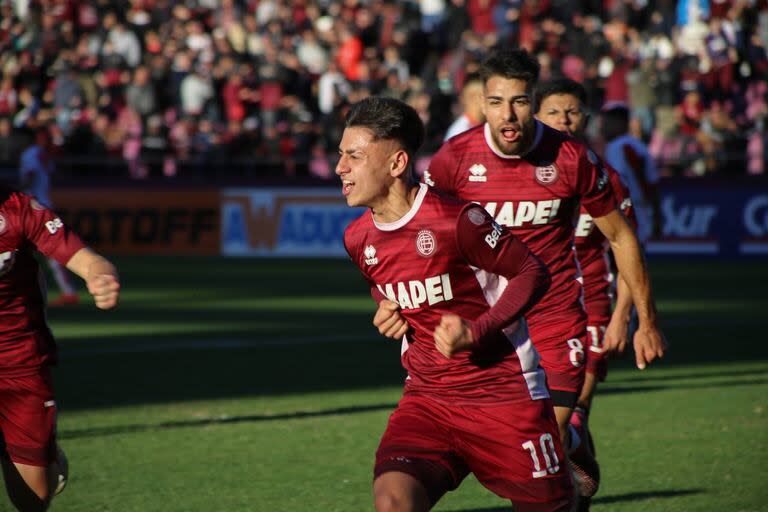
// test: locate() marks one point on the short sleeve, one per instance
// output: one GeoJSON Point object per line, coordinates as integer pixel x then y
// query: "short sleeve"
{"type": "Point", "coordinates": [47, 232]}
{"type": "Point", "coordinates": [593, 184]}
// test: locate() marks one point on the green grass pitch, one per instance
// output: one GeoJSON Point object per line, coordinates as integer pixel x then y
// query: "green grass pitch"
{"type": "Point", "coordinates": [260, 385]}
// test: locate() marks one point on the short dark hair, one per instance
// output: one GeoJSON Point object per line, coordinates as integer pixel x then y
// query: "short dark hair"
{"type": "Point", "coordinates": [389, 119]}
{"type": "Point", "coordinates": [512, 63]}
{"type": "Point", "coordinates": [472, 78]}
{"type": "Point", "coordinates": [561, 86]}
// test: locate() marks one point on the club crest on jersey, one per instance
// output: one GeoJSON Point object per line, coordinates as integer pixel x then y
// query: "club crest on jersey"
{"type": "Point", "coordinates": [477, 173]}
{"type": "Point", "coordinates": [370, 255]}
{"type": "Point", "coordinates": [2, 223]}
{"type": "Point", "coordinates": [426, 244]}
{"type": "Point", "coordinates": [546, 174]}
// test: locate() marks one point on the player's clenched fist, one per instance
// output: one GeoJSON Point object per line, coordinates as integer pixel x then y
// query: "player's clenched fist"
{"type": "Point", "coordinates": [453, 335]}
{"type": "Point", "coordinates": [105, 289]}
{"type": "Point", "coordinates": [389, 321]}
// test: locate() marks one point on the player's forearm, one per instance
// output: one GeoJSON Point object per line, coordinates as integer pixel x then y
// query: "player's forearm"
{"type": "Point", "coordinates": [623, 308]}
{"type": "Point", "coordinates": [633, 270]}
{"type": "Point", "coordinates": [88, 264]}
{"type": "Point", "coordinates": [523, 290]}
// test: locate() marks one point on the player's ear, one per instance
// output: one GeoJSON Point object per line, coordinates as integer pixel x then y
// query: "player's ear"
{"type": "Point", "coordinates": [399, 163]}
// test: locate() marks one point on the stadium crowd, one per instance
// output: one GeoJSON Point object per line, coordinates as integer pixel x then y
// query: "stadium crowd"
{"type": "Point", "coordinates": [260, 87]}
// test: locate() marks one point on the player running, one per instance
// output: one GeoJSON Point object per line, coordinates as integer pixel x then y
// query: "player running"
{"type": "Point", "coordinates": [475, 398]}
{"type": "Point", "coordinates": [561, 104]}
{"type": "Point", "coordinates": [33, 465]}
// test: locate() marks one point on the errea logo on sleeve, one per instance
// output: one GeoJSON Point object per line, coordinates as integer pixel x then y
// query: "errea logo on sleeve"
{"type": "Point", "coordinates": [54, 225]}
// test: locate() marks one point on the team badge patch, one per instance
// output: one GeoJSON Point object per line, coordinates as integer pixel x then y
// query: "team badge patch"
{"type": "Point", "coordinates": [426, 243]}
{"type": "Point", "coordinates": [476, 216]}
{"type": "Point", "coordinates": [2, 224]}
{"type": "Point", "coordinates": [546, 174]}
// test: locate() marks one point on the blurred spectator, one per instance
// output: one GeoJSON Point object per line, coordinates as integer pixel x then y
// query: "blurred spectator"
{"type": "Point", "coordinates": [35, 167]}
{"type": "Point", "coordinates": [115, 76]}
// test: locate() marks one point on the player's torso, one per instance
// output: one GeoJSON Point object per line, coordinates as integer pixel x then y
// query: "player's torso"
{"type": "Point", "coordinates": [418, 265]}
{"type": "Point", "coordinates": [534, 197]}
{"type": "Point", "coordinates": [24, 335]}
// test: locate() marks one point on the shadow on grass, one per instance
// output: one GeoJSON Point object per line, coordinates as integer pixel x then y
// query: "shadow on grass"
{"type": "Point", "coordinates": [643, 389]}
{"type": "Point", "coordinates": [684, 376]}
{"type": "Point", "coordinates": [605, 500]}
{"type": "Point", "coordinates": [225, 420]}
{"type": "Point", "coordinates": [642, 496]}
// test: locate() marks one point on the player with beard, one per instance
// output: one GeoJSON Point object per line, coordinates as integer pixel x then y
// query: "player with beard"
{"type": "Point", "coordinates": [532, 179]}
{"type": "Point", "coordinates": [475, 399]}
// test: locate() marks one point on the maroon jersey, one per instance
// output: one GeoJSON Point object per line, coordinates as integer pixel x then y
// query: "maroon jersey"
{"type": "Point", "coordinates": [537, 196]}
{"type": "Point", "coordinates": [446, 256]}
{"type": "Point", "coordinates": [26, 342]}
{"type": "Point", "coordinates": [592, 251]}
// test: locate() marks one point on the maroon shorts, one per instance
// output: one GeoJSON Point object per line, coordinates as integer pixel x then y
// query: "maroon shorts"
{"type": "Point", "coordinates": [597, 363]}
{"type": "Point", "coordinates": [563, 356]}
{"type": "Point", "coordinates": [513, 449]}
{"type": "Point", "coordinates": [28, 418]}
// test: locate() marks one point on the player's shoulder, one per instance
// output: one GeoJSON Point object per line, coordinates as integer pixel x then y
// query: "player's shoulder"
{"type": "Point", "coordinates": [466, 140]}
{"type": "Point", "coordinates": [552, 146]}
{"type": "Point", "coordinates": [442, 204]}
{"type": "Point", "coordinates": [357, 229]}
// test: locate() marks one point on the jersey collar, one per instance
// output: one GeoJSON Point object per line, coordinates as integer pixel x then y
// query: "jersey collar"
{"type": "Point", "coordinates": [405, 219]}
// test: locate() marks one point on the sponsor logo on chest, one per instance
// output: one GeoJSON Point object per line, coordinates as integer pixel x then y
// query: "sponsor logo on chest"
{"type": "Point", "coordinates": [6, 261]}
{"type": "Point", "coordinates": [412, 294]}
{"type": "Point", "coordinates": [520, 213]}
{"type": "Point", "coordinates": [585, 226]}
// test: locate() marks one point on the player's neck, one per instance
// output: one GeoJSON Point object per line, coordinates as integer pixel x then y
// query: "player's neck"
{"type": "Point", "coordinates": [396, 204]}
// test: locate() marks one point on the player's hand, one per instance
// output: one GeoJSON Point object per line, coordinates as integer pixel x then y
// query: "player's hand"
{"type": "Point", "coordinates": [649, 344]}
{"type": "Point", "coordinates": [389, 321]}
{"type": "Point", "coordinates": [616, 337]}
{"type": "Point", "coordinates": [453, 335]}
{"type": "Point", "coordinates": [105, 289]}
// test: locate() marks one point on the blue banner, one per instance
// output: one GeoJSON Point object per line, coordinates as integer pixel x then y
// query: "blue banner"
{"type": "Point", "coordinates": [713, 216]}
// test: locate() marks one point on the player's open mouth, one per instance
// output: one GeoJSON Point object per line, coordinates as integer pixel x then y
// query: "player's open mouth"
{"type": "Point", "coordinates": [346, 187]}
{"type": "Point", "coordinates": [510, 134]}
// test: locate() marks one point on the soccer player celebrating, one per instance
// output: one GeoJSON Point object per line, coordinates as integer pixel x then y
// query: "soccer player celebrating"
{"type": "Point", "coordinates": [561, 104]}
{"type": "Point", "coordinates": [532, 178]}
{"type": "Point", "coordinates": [33, 465]}
{"type": "Point", "coordinates": [475, 398]}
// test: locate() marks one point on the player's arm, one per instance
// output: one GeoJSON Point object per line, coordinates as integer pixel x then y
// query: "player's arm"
{"type": "Point", "coordinates": [488, 246]}
{"type": "Point", "coordinates": [615, 340]}
{"type": "Point", "coordinates": [50, 236]}
{"type": "Point", "coordinates": [99, 274]}
{"type": "Point", "coordinates": [649, 342]}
